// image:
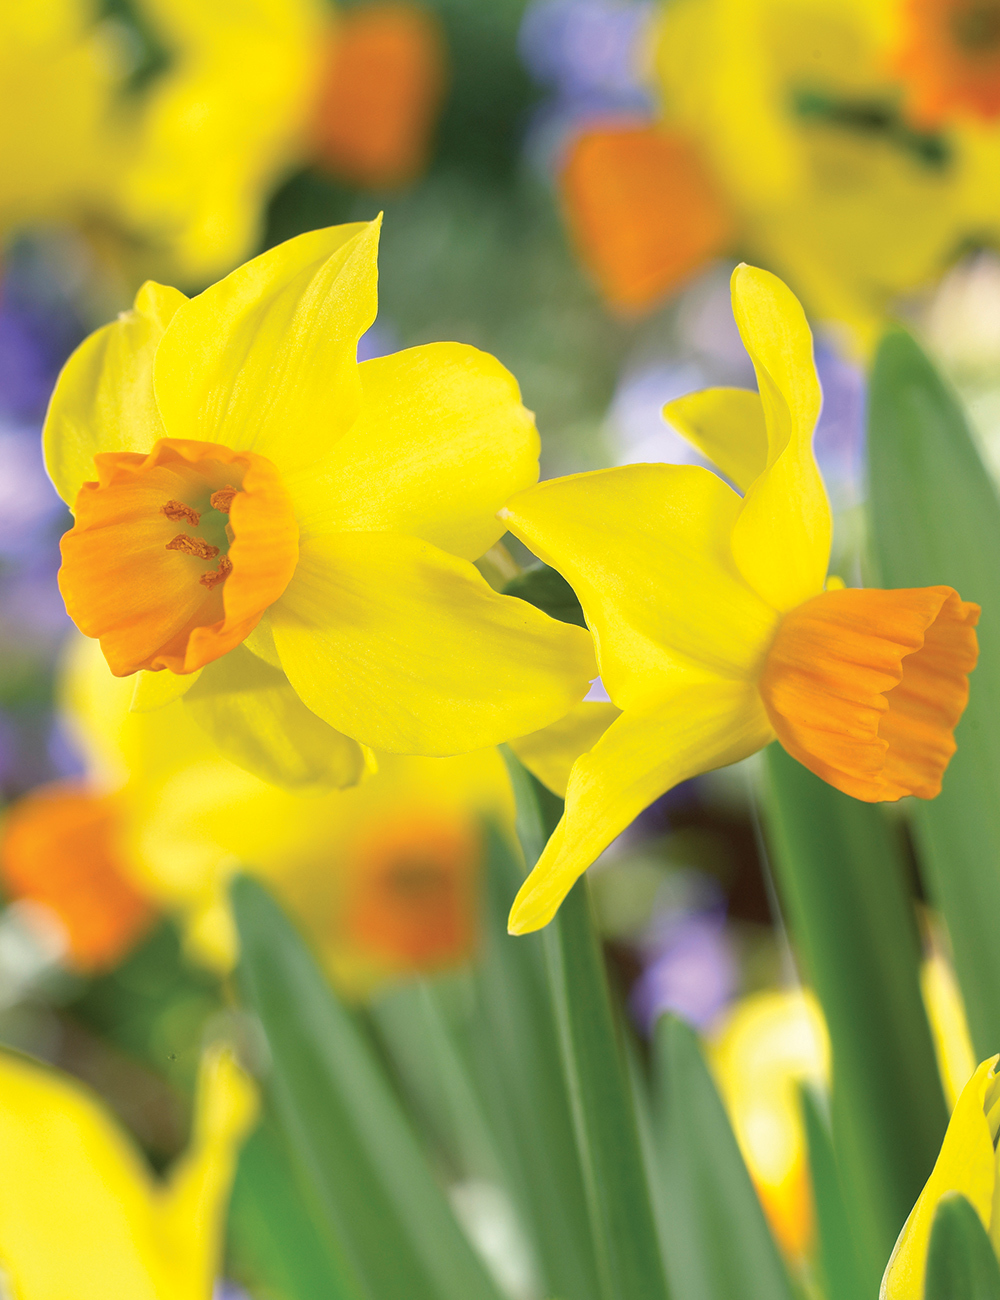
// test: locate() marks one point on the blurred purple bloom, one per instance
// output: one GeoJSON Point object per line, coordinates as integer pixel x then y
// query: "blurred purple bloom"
{"type": "Point", "coordinates": [689, 964]}
{"type": "Point", "coordinates": [377, 341]}
{"type": "Point", "coordinates": [39, 327]}
{"type": "Point", "coordinates": [636, 414]}
{"type": "Point", "coordinates": [840, 434]}
{"type": "Point", "coordinates": [586, 48]}
{"type": "Point", "coordinates": [588, 52]}
{"type": "Point", "coordinates": [29, 505]}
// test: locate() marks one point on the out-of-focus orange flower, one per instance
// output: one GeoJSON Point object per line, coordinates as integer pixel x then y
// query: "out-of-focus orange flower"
{"type": "Point", "coordinates": [60, 849]}
{"type": "Point", "coordinates": [383, 83]}
{"type": "Point", "coordinates": [643, 210]}
{"type": "Point", "coordinates": [411, 894]}
{"type": "Point", "coordinates": [950, 59]}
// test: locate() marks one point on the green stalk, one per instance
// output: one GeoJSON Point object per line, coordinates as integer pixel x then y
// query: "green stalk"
{"type": "Point", "coordinates": [935, 518]}
{"type": "Point", "coordinates": [842, 881]}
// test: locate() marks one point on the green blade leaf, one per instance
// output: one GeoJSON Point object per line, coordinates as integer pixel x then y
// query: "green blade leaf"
{"type": "Point", "coordinates": [274, 1242]}
{"type": "Point", "coordinates": [516, 1054]}
{"type": "Point", "coordinates": [840, 1269]}
{"type": "Point", "coordinates": [604, 1117]}
{"type": "Point", "coordinates": [355, 1152]}
{"type": "Point", "coordinates": [842, 882]}
{"type": "Point", "coordinates": [614, 1178]}
{"type": "Point", "coordinates": [935, 518]}
{"type": "Point", "coordinates": [961, 1264]}
{"type": "Point", "coordinates": [717, 1242]}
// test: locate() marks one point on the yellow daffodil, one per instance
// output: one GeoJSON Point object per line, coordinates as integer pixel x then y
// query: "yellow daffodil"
{"type": "Point", "coordinates": [81, 1212]}
{"type": "Point", "coordinates": [768, 1046]}
{"type": "Point", "coordinates": [286, 535]}
{"type": "Point", "coordinates": [967, 1164]}
{"type": "Point", "coordinates": [59, 846]}
{"type": "Point", "coordinates": [172, 122]}
{"type": "Point", "coordinates": [714, 632]}
{"type": "Point", "coordinates": [949, 1027]}
{"type": "Point", "coordinates": [783, 131]}
{"type": "Point", "coordinates": [214, 130]}
{"type": "Point", "coordinates": [249, 93]}
{"type": "Point", "coordinates": [59, 81]}
{"type": "Point", "coordinates": [383, 877]}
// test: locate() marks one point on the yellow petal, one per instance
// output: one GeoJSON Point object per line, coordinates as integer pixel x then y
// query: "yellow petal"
{"type": "Point", "coordinates": [550, 753]}
{"type": "Point", "coordinates": [701, 726]}
{"type": "Point", "coordinates": [217, 126]}
{"type": "Point", "coordinates": [154, 690]}
{"type": "Point", "coordinates": [103, 400]}
{"type": "Point", "coordinates": [781, 541]}
{"type": "Point", "coordinates": [199, 1183]}
{"type": "Point", "coordinates": [646, 549]}
{"type": "Point", "coordinates": [266, 360]}
{"type": "Point", "coordinates": [82, 1214]}
{"type": "Point", "coordinates": [408, 649]}
{"type": "Point", "coordinates": [441, 443]}
{"type": "Point", "coordinates": [259, 723]}
{"type": "Point", "coordinates": [965, 1164]}
{"type": "Point", "coordinates": [727, 426]}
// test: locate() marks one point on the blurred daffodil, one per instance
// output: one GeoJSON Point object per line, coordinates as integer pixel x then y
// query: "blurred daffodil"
{"type": "Point", "coordinates": [171, 122]}
{"type": "Point", "coordinates": [950, 59]}
{"type": "Point", "coordinates": [249, 93]}
{"type": "Point", "coordinates": [59, 79]}
{"type": "Point", "coordinates": [714, 631]}
{"type": "Point", "coordinates": [287, 536]}
{"type": "Point", "coordinates": [768, 1046]}
{"type": "Point", "coordinates": [967, 1164]}
{"type": "Point", "coordinates": [60, 847]}
{"type": "Point", "coordinates": [82, 1214]}
{"type": "Point", "coordinates": [783, 130]}
{"type": "Point", "coordinates": [383, 877]}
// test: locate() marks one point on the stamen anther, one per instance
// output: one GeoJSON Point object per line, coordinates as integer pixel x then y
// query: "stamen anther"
{"type": "Point", "coordinates": [195, 546]}
{"type": "Point", "coordinates": [223, 499]}
{"type": "Point", "coordinates": [177, 511]}
{"type": "Point", "coordinates": [215, 576]}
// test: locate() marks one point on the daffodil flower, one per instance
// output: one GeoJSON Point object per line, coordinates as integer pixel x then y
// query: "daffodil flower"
{"type": "Point", "coordinates": [383, 877]}
{"type": "Point", "coordinates": [81, 1212]}
{"type": "Point", "coordinates": [781, 129]}
{"type": "Point", "coordinates": [714, 631]}
{"type": "Point", "coordinates": [967, 1164]}
{"type": "Point", "coordinates": [256, 510]}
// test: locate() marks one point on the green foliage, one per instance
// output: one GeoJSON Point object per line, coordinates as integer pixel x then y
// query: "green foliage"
{"type": "Point", "coordinates": [716, 1240]}
{"type": "Point", "coordinates": [935, 518]}
{"type": "Point", "coordinates": [843, 883]}
{"type": "Point", "coordinates": [354, 1150]}
{"type": "Point", "coordinates": [839, 1267]}
{"type": "Point", "coordinates": [961, 1264]}
{"type": "Point", "coordinates": [549, 591]}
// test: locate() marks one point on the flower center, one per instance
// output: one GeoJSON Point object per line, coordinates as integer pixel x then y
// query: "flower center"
{"type": "Point", "coordinates": [865, 687]}
{"type": "Point", "coordinates": [174, 556]}
{"type": "Point", "coordinates": [976, 27]}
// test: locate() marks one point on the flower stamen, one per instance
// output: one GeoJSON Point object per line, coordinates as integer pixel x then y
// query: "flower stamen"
{"type": "Point", "coordinates": [176, 511]}
{"type": "Point", "coordinates": [214, 576]}
{"type": "Point", "coordinates": [196, 546]}
{"type": "Point", "coordinates": [223, 499]}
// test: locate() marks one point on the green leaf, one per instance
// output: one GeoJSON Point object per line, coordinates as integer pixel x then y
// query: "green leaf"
{"type": "Point", "coordinates": [274, 1243]}
{"type": "Point", "coordinates": [607, 1135]}
{"type": "Point", "coordinates": [717, 1242]}
{"type": "Point", "coordinates": [839, 1267]}
{"type": "Point", "coordinates": [961, 1264]}
{"type": "Point", "coordinates": [615, 1184]}
{"type": "Point", "coordinates": [515, 1047]}
{"type": "Point", "coordinates": [423, 1026]}
{"type": "Point", "coordinates": [842, 882]}
{"type": "Point", "coordinates": [935, 518]}
{"type": "Point", "coordinates": [355, 1152]}
{"type": "Point", "coordinates": [549, 591]}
